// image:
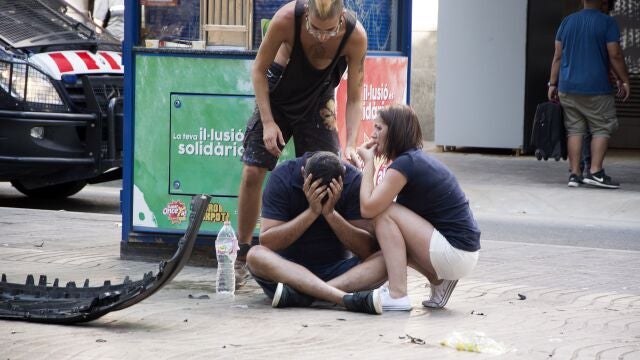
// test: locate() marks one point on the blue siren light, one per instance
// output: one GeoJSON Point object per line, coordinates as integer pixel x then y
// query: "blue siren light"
{"type": "Point", "coordinates": [69, 78]}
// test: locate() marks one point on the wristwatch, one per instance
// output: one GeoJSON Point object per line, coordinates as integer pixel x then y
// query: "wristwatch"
{"type": "Point", "coordinates": [549, 84]}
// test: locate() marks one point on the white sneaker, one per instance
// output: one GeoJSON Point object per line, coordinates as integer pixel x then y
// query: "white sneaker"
{"type": "Point", "coordinates": [440, 294]}
{"type": "Point", "coordinates": [391, 304]}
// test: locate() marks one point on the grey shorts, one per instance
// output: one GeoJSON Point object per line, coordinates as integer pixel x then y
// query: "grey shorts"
{"type": "Point", "coordinates": [596, 113]}
{"type": "Point", "coordinates": [307, 136]}
{"type": "Point", "coordinates": [316, 132]}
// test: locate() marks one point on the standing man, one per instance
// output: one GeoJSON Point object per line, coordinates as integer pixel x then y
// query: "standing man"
{"type": "Point", "coordinates": [308, 47]}
{"type": "Point", "coordinates": [313, 242]}
{"type": "Point", "coordinates": [115, 9]}
{"type": "Point", "coordinates": [587, 45]}
{"type": "Point", "coordinates": [80, 5]}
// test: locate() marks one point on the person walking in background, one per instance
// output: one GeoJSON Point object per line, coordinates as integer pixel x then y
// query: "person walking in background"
{"type": "Point", "coordinates": [587, 45]}
{"type": "Point", "coordinates": [115, 10]}
{"type": "Point", "coordinates": [585, 161]}
{"type": "Point", "coordinates": [429, 226]}
{"type": "Point", "coordinates": [306, 50]}
{"type": "Point", "coordinates": [82, 6]}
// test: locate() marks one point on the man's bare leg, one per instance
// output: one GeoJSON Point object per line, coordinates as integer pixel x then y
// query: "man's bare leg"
{"type": "Point", "coordinates": [599, 145]}
{"type": "Point", "coordinates": [574, 148]}
{"type": "Point", "coordinates": [369, 274]}
{"type": "Point", "coordinates": [266, 264]}
{"type": "Point", "coordinates": [249, 199]}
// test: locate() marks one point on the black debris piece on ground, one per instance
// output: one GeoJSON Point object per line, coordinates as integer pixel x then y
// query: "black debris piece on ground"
{"type": "Point", "coordinates": [200, 297]}
{"type": "Point", "coordinates": [414, 340]}
{"type": "Point", "coordinates": [71, 304]}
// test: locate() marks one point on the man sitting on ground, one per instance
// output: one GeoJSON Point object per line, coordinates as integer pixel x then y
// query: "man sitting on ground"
{"type": "Point", "coordinates": [311, 226]}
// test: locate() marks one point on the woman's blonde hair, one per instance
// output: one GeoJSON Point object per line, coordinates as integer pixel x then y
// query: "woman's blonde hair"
{"type": "Point", "coordinates": [325, 9]}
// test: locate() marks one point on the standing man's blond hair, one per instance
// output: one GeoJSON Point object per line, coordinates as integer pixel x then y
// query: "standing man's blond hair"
{"type": "Point", "coordinates": [325, 9]}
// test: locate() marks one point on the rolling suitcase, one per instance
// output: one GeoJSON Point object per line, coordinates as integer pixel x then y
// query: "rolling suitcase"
{"type": "Point", "coordinates": [549, 136]}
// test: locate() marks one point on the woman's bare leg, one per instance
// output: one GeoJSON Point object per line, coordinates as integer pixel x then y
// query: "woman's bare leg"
{"type": "Point", "coordinates": [403, 234]}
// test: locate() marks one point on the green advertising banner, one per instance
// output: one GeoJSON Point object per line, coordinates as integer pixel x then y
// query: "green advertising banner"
{"type": "Point", "coordinates": [190, 118]}
{"type": "Point", "coordinates": [186, 110]}
{"type": "Point", "coordinates": [204, 154]}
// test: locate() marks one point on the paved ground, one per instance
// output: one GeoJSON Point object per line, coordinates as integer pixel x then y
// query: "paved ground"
{"type": "Point", "coordinates": [582, 302]}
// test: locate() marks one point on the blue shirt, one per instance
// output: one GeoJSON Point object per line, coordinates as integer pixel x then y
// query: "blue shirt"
{"type": "Point", "coordinates": [584, 68]}
{"type": "Point", "coordinates": [433, 192]}
{"type": "Point", "coordinates": [283, 199]}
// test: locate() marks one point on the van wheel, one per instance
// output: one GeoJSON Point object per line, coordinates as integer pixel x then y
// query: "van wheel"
{"type": "Point", "coordinates": [52, 191]}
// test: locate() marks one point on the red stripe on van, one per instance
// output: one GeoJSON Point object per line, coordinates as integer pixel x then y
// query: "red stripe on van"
{"type": "Point", "coordinates": [110, 60]}
{"type": "Point", "coordinates": [61, 61]}
{"type": "Point", "coordinates": [88, 60]}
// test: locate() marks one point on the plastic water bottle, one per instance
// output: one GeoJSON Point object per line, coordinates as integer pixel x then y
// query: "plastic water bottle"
{"type": "Point", "coordinates": [226, 251]}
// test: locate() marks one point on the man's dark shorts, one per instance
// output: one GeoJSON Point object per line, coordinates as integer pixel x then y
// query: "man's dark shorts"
{"type": "Point", "coordinates": [318, 132]}
{"type": "Point", "coordinates": [325, 273]}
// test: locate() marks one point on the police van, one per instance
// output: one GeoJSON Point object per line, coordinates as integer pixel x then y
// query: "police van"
{"type": "Point", "coordinates": [61, 92]}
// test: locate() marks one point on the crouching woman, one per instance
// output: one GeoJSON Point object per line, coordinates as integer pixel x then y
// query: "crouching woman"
{"type": "Point", "coordinates": [429, 226]}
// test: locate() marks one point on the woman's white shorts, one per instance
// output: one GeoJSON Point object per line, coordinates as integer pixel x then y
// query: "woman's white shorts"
{"type": "Point", "coordinates": [449, 262]}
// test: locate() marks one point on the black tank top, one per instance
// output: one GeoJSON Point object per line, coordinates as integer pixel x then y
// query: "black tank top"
{"type": "Point", "coordinates": [301, 87]}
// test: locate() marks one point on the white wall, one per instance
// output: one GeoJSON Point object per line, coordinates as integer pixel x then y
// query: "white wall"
{"type": "Point", "coordinates": [424, 15]}
{"type": "Point", "coordinates": [481, 73]}
{"type": "Point", "coordinates": [423, 65]}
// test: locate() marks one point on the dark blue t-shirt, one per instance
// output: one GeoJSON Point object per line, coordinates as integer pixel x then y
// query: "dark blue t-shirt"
{"type": "Point", "coordinates": [433, 192]}
{"type": "Point", "coordinates": [283, 199]}
{"type": "Point", "coordinates": [584, 68]}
